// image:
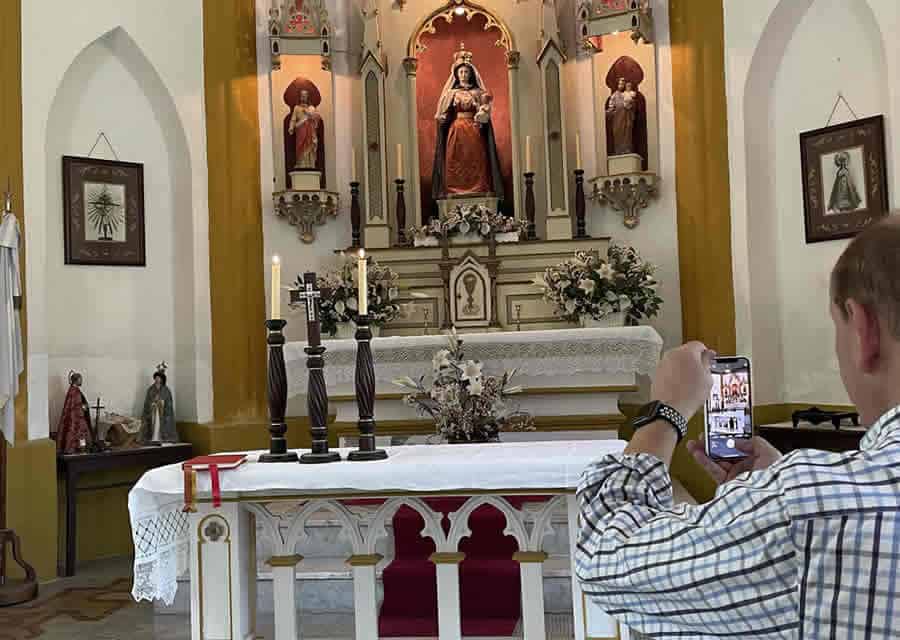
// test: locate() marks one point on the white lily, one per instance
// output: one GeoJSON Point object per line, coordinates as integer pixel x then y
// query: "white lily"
{"type": "Point", "coordinates": [406, 382]}
{"type": "Point", "coordinates": [587, 285]}
{"type": "Point", "coordinates": [539, 282]}
{"type": "Point", "coordinates": [393, 292]}
{"type": "Point", "coordinates": [476, 387]}
{"type": "Point", "coordinates": [464, 227]}
{"type": "Point", "coordinates": [485, 228]}
{"type": "Point", "coordinates": [352, 303]}
{"type": "Point", "coordinates": [440, 360]}
{"type": "Point", "coordinates": [471, 370]}
{"type": "Point", "coordinates": [624, 303]}
{"type": "Point", "coordinates": [340, 307]}
{"type": "Point", "coordinates": [570, 306]}
{"type": "Point", "coordinates": [605, 271]}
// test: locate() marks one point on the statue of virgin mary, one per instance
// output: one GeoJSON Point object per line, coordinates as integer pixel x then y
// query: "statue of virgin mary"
{"type": "Point", "coordinates": [465, 156]}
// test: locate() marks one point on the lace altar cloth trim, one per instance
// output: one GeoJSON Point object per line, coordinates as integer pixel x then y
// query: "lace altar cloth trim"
{"type": "Point", "coordinates": [550, 353]}
{"type": "Point", "coordinates": [161, 532]}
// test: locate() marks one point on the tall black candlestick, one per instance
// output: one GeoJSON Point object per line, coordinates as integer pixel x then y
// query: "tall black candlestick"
{"type": "Point", "coordinates": [529, 205]}
{"type": "Point", "coordinates": [580, 231]}
{"type": "Point", "coordinates": [355, 214]}
{"type": "Point", "coordinates": [401, 212]}
{"type": "Point", "coordinates": [316, 391]}
{"type": "Point", "coordinates": [277, 396]}
{"type": "Point", "coordinates": [365, 394]}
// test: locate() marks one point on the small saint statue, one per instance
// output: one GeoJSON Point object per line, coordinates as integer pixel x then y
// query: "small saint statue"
{"type": "Point", "coordinates": [74, 432]}
{"type": "Point", "coordinates": [304, 126]}
{"type": "Point", "coordinates": [158, 424]}
{"type": "Point", "coordinates": [620, 116]}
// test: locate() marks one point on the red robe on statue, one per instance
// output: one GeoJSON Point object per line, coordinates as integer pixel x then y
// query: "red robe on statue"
{"type": "Point", "coordinates": [74, 423]}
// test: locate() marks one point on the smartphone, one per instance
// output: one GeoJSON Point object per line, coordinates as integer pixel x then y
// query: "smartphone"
{"type": "Point", "coordinates": [728, 411]}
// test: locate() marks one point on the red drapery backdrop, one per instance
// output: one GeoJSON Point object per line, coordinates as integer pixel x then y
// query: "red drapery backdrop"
{"type": "Point", "coordinates": [434, 69]}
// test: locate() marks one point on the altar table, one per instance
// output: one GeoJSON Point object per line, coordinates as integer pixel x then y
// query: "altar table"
{"type": "Point", "coordinates": [565, 372]}
{"type": "Point", "coordinates": [219, 545]}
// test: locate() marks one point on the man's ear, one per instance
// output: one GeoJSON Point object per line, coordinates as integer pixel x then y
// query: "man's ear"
{"type": "Point", "coordinates": [866, 332]}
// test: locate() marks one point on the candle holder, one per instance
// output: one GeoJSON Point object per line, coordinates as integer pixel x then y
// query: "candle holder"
{"type": "Point", "coordinates": [580, 231]}
{"type": "Point", "coordinates": [355, 214]}
{"type": "Point", "coordinates": [277, 396]}
{"type": "Point", "coordinates": [365, 394]}
{"type": "Point", "coordinates": [529, 205]}
{"type": "Point", "coordinates": [401, 212]}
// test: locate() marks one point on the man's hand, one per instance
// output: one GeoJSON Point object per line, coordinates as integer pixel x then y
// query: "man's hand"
{"type": "Point", "coordinates": [760, 455]}
{"type": "Point", "coordinates": [683, 378]}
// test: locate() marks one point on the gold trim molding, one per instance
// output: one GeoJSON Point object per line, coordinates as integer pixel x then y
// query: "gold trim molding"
{"type": "Point", "coordinates": [284, 561]}
{"type": "Point", "coordinates": [448, 14]}
{"type": "Point", "coordinates": [447, 557]}
{"type": "Point", "coordinates": [530, 556]}
{"type": "Point", "coordinates": [365, 560]}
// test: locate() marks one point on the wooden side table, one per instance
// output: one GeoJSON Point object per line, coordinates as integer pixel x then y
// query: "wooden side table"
{"type": "Point", "coordinates": [72, 465]}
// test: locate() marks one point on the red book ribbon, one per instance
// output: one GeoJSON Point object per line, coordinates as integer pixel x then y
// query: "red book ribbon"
{"type": "Point", "coordinates": [214, 480]}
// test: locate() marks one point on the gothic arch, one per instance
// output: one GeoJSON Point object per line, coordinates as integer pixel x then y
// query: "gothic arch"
{"type": "Point", "coordinates": [449, 12]}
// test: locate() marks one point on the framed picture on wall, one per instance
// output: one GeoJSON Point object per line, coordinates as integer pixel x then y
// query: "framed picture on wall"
{"type": "Point", "coordinates": [844, 178]}
{"type": "Point", "coordinates": [103, 212]}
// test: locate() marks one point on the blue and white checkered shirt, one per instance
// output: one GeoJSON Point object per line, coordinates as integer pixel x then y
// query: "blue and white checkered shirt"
{"type": "Point", "coordinates": [809, 548]}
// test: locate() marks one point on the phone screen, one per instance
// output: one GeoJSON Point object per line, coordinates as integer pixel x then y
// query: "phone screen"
{"type": "Point", "coordinates": [728, 408]}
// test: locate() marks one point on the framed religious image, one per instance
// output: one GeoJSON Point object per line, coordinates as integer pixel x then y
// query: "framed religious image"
{"type": "Point", "coordinates": [103, 212]}
{"type": "Point", "coordinates": [844, 178]}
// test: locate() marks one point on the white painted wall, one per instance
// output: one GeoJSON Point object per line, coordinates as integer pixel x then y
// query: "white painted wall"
{"type": "Point", "coordinates": [785, 63]}
{"type": "Point", "coordinates": [134, 70]}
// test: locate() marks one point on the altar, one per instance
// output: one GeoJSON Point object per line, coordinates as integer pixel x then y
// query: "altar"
{"type": "Point", "coordinates": [571, 377]}
{"type": "Point", "coordinates": [218, 544]}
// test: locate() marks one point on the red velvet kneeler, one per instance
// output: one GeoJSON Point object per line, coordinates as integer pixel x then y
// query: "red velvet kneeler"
{"type": "Point", "coordinates": [490, 589]}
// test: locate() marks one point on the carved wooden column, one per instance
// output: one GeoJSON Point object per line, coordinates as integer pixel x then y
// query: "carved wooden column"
{"type": "Point", "coordinates": [411, 65]}
{"type": "Point", "coordinates": [512, 65]}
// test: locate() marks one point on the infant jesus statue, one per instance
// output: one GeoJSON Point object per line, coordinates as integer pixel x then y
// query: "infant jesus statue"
{"type": "Point", "coordinates": [483, 115]}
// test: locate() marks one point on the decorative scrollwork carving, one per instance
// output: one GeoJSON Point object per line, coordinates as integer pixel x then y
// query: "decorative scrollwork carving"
{"type": "Point", "coordinates": [377, 523]}
{"type": "Point", "coordinates": [459, 521]}
{"type": "Point", "coordinates": [627, 194]}
{"type": "Point", "coordinates": [306, 210]}
{"type": "Point", "coordinates": [459, 9]}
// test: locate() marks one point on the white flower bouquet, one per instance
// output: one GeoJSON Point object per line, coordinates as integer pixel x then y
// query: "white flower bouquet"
{"type": "Point", "coordinates": [340, 294]}
{"type": "Point", "coordinates": [465, 404]}
{"type": "Point", "coordinates": [476, 220]}
{"type": "Point", "coordinates": [595, 286]}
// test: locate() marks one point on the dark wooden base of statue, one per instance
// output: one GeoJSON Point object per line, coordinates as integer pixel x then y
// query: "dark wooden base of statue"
{"type": "Point", "coordinates": [278, 451]}
{"type": "Point", "coordinates": [365, 395]}
{"type": "Point", "coordinates": [529, 206]}
{"type": "Point", "coordinates": [580, 205]}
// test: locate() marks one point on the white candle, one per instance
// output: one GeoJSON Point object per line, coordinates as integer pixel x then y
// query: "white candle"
{"type": "Point", "coordinates": [527, 154]}
{"type": "Point", "coordinates": [578, 150]}
{"type": "Point", "coordinates": [363, 284]}
{"type": "Point", "coordinates": [353, 165]}
{"type": "Point", "coordinates": [400, 161]}
{"type": "Point", "coordinates": [276, 288]}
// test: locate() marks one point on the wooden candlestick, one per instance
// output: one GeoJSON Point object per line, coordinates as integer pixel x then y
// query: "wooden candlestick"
{"type": "Point", "coordinates": [277, 395]}
{"type": "Point", "coordinates": [401, 212]}
{"type": "Point", "coordinates": [316, 391]}
{"type": "Point", "coordinates": [355, 214]}
{"type": "Point", "coordinates": [580, 231]}
{"type": "Point", "coordinates": [529, 205]}
{"type": "Point", "coordinates": [365, 394]}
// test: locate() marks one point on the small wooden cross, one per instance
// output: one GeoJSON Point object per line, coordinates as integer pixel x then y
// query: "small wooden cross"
{"type": "Point", "coordinates": [310, 295]}
{"type": "Point", "coordinates": [97, 407]}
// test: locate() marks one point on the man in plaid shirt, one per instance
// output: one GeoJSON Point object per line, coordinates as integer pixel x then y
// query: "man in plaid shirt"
{"type": "Point", "coordinates": [805, 545]}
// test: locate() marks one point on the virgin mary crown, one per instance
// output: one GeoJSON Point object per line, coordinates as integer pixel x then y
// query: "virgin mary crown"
{"type": "Point", "coordinates": [462, 56]}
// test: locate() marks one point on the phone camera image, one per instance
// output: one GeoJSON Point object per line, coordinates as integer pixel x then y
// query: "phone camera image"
{"type": "Point", "coordinates": [728, 415]}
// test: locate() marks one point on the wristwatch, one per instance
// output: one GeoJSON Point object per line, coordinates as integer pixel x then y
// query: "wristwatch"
{"type": "Point", "coordinates": [657, 410]}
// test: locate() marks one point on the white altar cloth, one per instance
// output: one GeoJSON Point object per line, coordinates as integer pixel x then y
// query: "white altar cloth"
{"type": "Point", "coordinates": [535, 354]}
{"type": "Point", "coordinates": [161, 533]}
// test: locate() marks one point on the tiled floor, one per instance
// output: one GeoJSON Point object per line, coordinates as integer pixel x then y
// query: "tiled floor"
{"type": "Point", "coordinates": [97, 604]}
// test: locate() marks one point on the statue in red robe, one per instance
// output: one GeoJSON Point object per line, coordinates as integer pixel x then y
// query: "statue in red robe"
{"type": "Point", "coordinates": [74, 430]}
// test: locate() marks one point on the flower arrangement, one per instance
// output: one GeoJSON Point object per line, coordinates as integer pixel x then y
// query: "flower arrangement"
{"type": "Point", "coordinates": [465, 404]}
{"type": "Point", "coordinates": [472, 219]}
{"type": "Point", "coordinates": [340, 294]}
{"type": "Point", "coordinates": [591, 285]}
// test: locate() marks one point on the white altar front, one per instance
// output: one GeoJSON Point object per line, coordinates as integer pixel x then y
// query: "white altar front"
{"type": "Point", "coordinates": [566, 372]}
{"type": "Point", "coordinates": [219, 544]}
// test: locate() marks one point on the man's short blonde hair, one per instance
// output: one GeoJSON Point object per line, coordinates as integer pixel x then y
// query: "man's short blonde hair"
{"type": "Point", "coordinates": [869, 272]}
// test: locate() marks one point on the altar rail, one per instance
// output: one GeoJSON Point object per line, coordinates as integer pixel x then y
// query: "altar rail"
{"type": "Point", "coordinates": [223, 595]}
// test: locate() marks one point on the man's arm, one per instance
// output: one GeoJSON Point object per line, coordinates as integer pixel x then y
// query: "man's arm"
{"type": "Point", "coordinates": [725, 567]}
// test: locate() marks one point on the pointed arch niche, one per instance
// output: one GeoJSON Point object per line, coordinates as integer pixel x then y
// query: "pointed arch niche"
{"type": "Point", "coordinates": [148, 314]}
{"type": "Point", "coordinates": [430, 56]}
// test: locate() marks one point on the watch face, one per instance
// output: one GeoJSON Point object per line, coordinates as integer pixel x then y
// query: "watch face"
{"type": "Point", "coordinates": [647, 413]}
